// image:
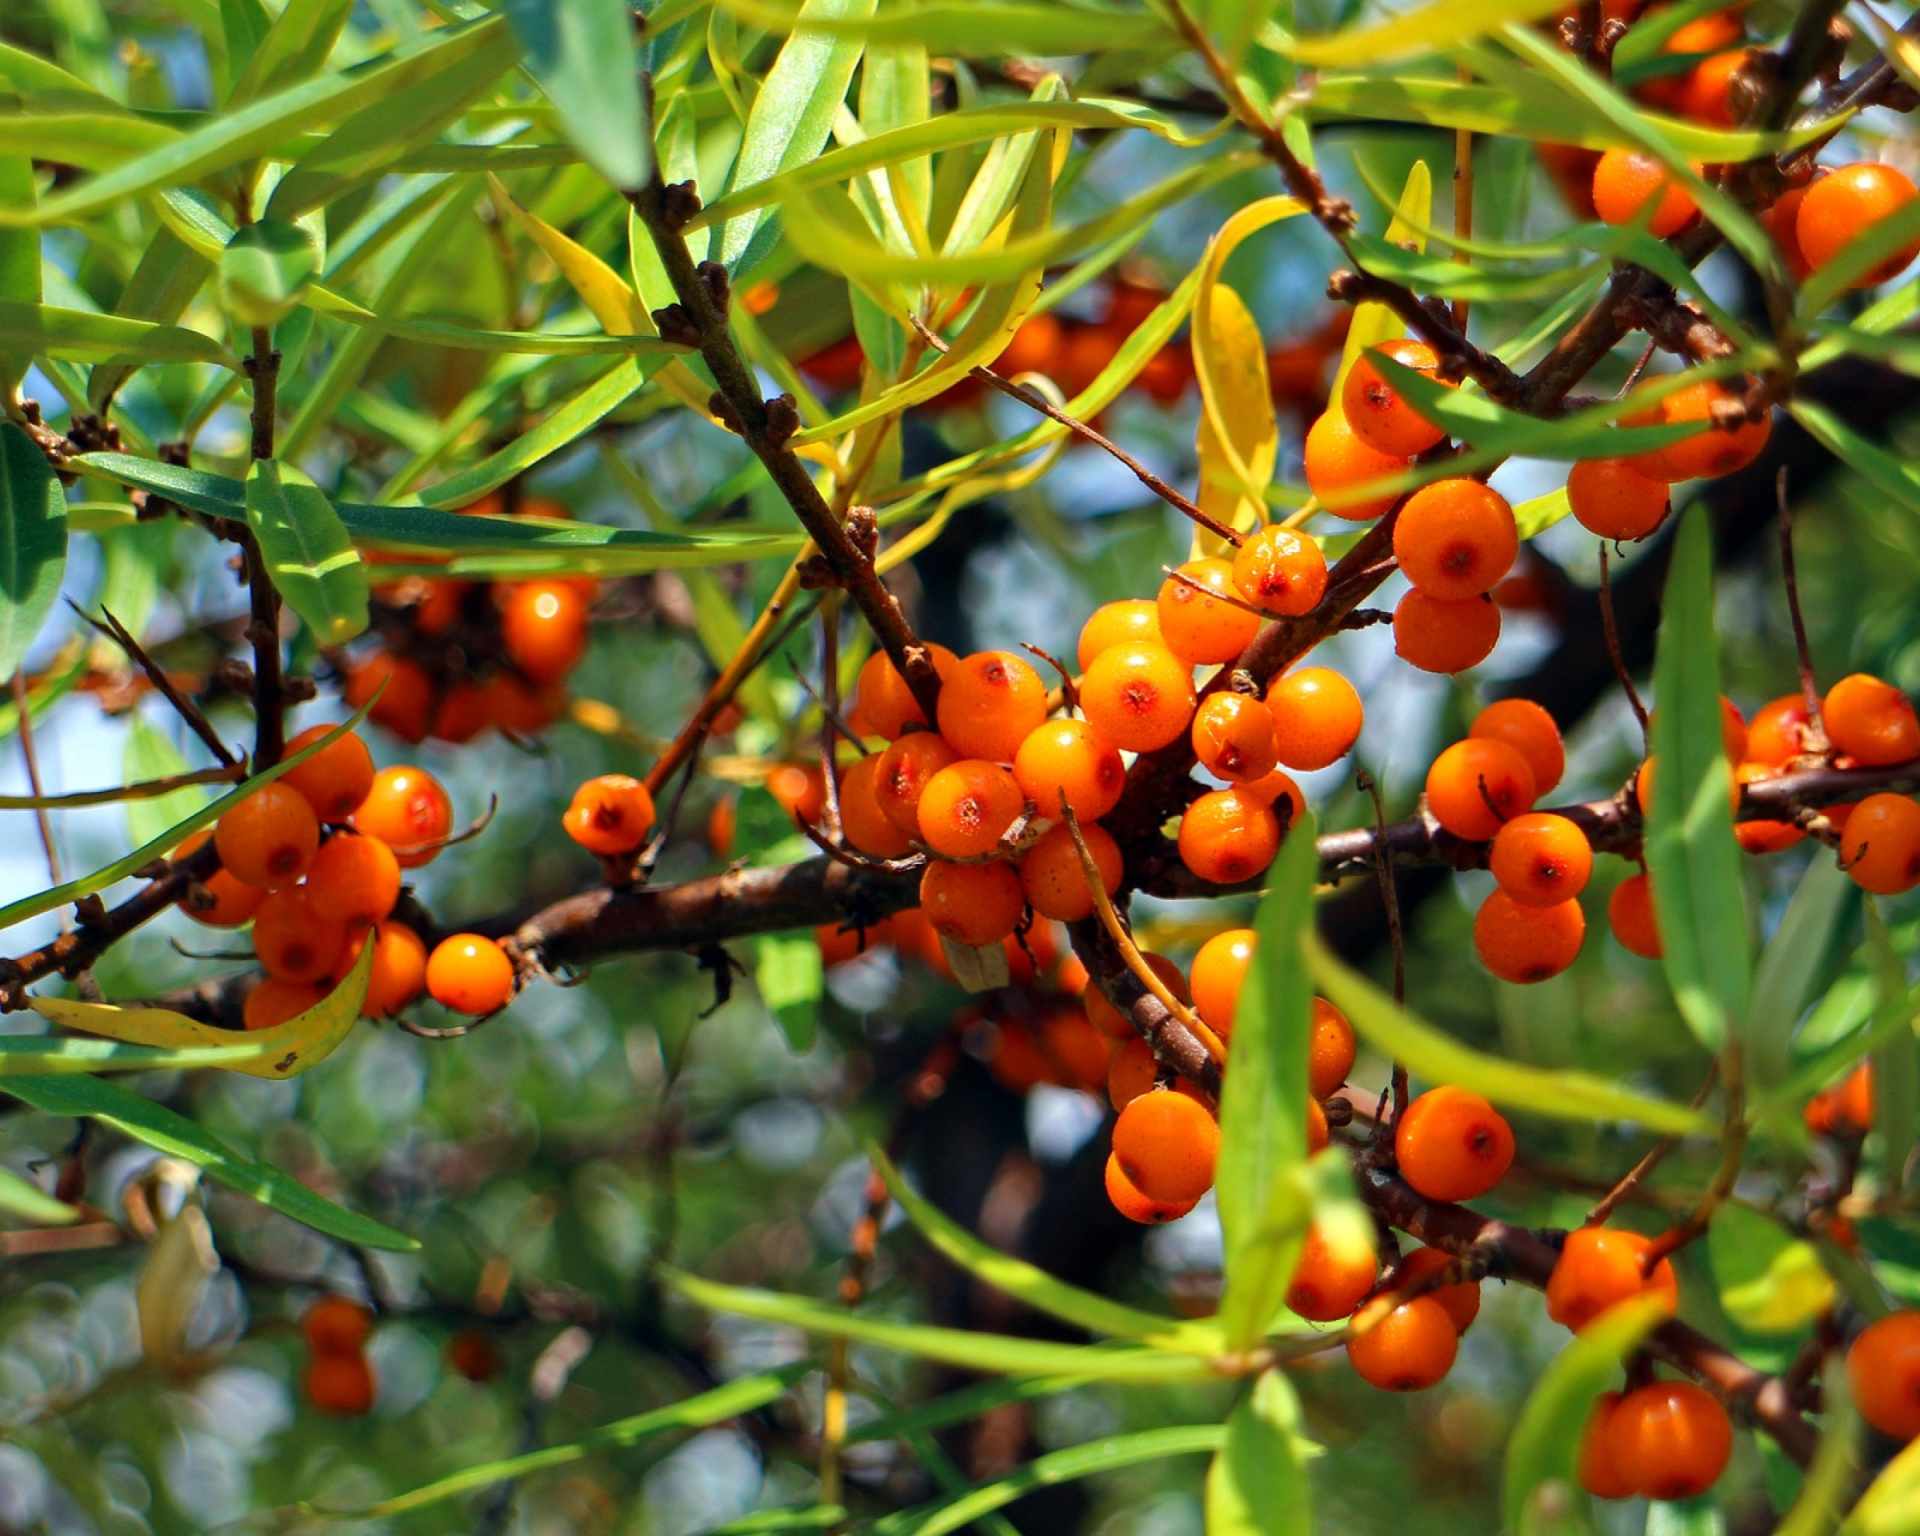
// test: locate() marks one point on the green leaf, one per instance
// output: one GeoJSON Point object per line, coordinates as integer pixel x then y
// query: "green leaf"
{"type": "Point", "coordinates": [1536, 515]}
{"type": "Point", "coordinates": [1543, 1451]}
{"type": "Point", "coordinates": [309, 557]}
{"type": "Point", "coordinates": [958, 1406]}
{"type": "Point", "coordinates": [1581, 1096]}
{"type": "Point", "coordinates": [787, 973]}
{"type": "Point", "coordinates": [1797, 962]}
{"type": "Point", "coordinates": [295, 47]}
{"type": "Point", "coordinates": [85, 337]}
{"type": "Point", "coordinates": [896, 94]}
{"type": "Point", "coordinates": [19, 262]}
{"type": "Point", "coordinates": [1896, 1056]}
{"type": "Point", "coordinates": [174, 1134]}
{"type": "Point", "coordinates": [768, 1522]}
{"type": "Point", "coordinates": [1768, 1280]}
{"type": "Point", "coordinates": [1691, 853]}
{"type": "Point", "coordinates": [38, 78]}
{"type": "Point", "coordinates": [1453, 279]}
{"type": "Point", "coordinates": [33, 544]}
{"type": "Point", "coordinates": [1038, 1289]}
{"type": "Point", "coordinates": [1893, 476]}
{"type": "Point", "coordinates": [163, 284]}
{"type": "Point", "coordinates": [29, 1203]}
{"type": "Point", "coordinates": [45, 1056]}
{"type": "Point", "coordinates": [1438, 25]}
{"type": "Point", "coordinates": [244, 25]}
{"type": "Point", "coordinates": [88, 140]}
{"type": "Point", "coordinates": [1263, 1101]}
{"type": "Point", "coordinates": [1834, 1472]}
{"type": "Point", "coordinates": [1257, 1485]}
{"type": "Point", "coordinates": [583, 54]}
{"type": "Point", "coordinates": [151, 755]}
{"type": "Point", "coordinates": [265, 269]}
{"type": "Point", "coordinates": [973, 28]}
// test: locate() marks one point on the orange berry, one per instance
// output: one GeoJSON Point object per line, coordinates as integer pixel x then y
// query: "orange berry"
{"type": "Point", "coordinates": [1541, 859]}
{"type": "Point", "coordinates": [1328, 1283]}
{"type": "Point", "coordinates": [868, 827]}
{"type": "Point", "coordinates": [1233, 737]}
{"type": "Point", "coordinates": [1452, 1144]}
{"type": "Point", "coordinates": [273, 1001]}
{"type": "Point", "coordinates": [1135, 1206]}
{"type": "Point", "coordinates": [470, 974]}
{"type": "Point", "coordinates": [462, 714]}
{"type": "Point", "coordinates": [335, 1325]}
{"type": "Point", "coordinates": [901, 779]}
{"type": "Point", "coordinates": [800, 789]}
{"type": "Point", "coordinates": [1054, 880]}
{"type": "Point", "coordinates": [1527, 944]}
{"type": "Point", "coordinates": [470, 1353]}
{"type": "Point", "coordinates": [1455, 539]}
{"type": "Point", "coordinates": [1110, 1021]}
{"type": "Point", "coordinates": [1845, 204]}
{"type": "Point", "coordinates": [1733, 731]}
{"type": "Point", "coordinates": [230, 902]}
{"type": "Point", "coordinates": [409, 811]}
{"type": "Point", "coordinates": [1773, 735]}
{"type": "Point", "coordinates": [1612, 498]}
{"type": "Point", "coordinates": [1477, 784]}
{"type": "Point", "coordinates": [1883, 1371]}
{"type": "Point", "coordinates": [1071, 758]}
{"type": "Point", "coordinates": [1131, 1071]}
{"type": "Point", "coordinates": [1277, 789]}
{"type": "Point", "coordinates": [1625, 181]}
{"type": "Point", "coordinates": [1078, 1049]}
{"type": "Point", "coordinates": [883, 698]}
{"type": "Point", "coordinates": [405, 706]}
{"type": "Point", "coordinates": [1599, 1474]}
{"type": "Point", "coordinates": [1853, 1102]}
{"type": "Point", "coordinates": [398, 974]}
{"type": "Point", "coordinates": [1759, 837]}
{"type": "Point", "coordinates": [1880, 848]}
{"type": "Point", "coordinates": [1317, 717]}
{"type": "Point", "coordinates": [1338, 459]}
{"type": "Point", "coordinates": [1461, 1299]}
{"type": "Point", "coordinates": [340, 1384]}
{"type": "Point", "coordinates": [1167, 1145]}
{"type": "Point", "coordinates": [1374, 409]}
{"type": "Point", "coordinates": [967, 807]}
{"type": "Point", "coordinates": [269, 838]}
{"type": "Point", "coordinates": [1672, 1438]}
{"type": "Point", "coordinates": [1600, 1267]}
{"type": "Point", "coordinates": [1708, 95]}
{"type": "Point", "coordinates": [1706, 455]}
{"type": "Point", "coordinates": [1781, 220]}
{"type": "Point", "coordinates": [610, 814]}
{"type": "Point", "coordinates": [1530, 731]}
{"type": "Point", "coordinates": [1200, 629]}
{"type": "Point", "coordinates": [519, 710]}
{"type": "Point", "coordinates": [1281, 571]}
{"type": "Point", "coordinates": [437, 605]}
{"type": "Point", "coordinates": [1226, 837]}
{"type": "Point", "coordinates": [1438, 636]}
{"type": "Point", "coordinates": [1408, 1350]}
{"type": "Point", "coordinates": [354, 880]}
{"type": "Point", "coordinates": [1870, 721]}
{"type": "Point", "coordinates": [1218, 972]}
{"type": "Point", "coordinates": [972, 904]}
{"type": "Point", "coordinates": [1130, 621]}
{"type": "Point", "coordinates": [336, 778]}
{"type": "Point", "coordinates": [293, 941]}
{"type": "Point", "coordinates": [1138, 695]}
{"type": "Point", "coordinates": [1330, 1049]}
{"type": "Point", "coordinates": [989, 703]}
{"type": "Point", "coordinates": [722, 821]}
{"type": "Point", "coordinates": [1630, 916]}
{"type": "Point", "coordinates": [1317, 1134]}
{"type": "Point", "coordinates": [543, 627]}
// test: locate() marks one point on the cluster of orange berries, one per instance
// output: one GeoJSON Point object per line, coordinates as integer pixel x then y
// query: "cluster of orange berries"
{"type": "Point", "coordinates": [313, 861]}
{"type": "Point", "coordinates": [339, 1377]}
{"type": "Point", "coordinates": [463, 657]}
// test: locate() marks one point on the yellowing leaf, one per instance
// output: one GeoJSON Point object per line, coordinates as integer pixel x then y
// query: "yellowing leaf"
{"type": "Point", "coordinates": [1769, 1280]}
{"type": "Point", "coordinates": [1374, 322]}
{"type": "Point", "coordinates": [178, 1266]}
{"type": "Point", "coordinates": [1441, 24]}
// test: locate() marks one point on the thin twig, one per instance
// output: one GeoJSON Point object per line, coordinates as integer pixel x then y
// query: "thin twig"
{"type": "Point", "coordinates": [1630, 1181]}
{"type": "Point", "coordinates": [1390, 905]}
{"type": "Point", "coordinates": [1612, 632]}
{"type": "Point", "coordinates": [1814, 733]}
{"type": "Point", "coordinates": [183, 706]}
{"type": "Point", "coordinates": [146, 789]}
{"type": "Point", "coordinates": [1733, 1148]}
{"type": "Point", "coordinates": [263, 601]}
{"type": "Point", "coordinates": [38, 799]}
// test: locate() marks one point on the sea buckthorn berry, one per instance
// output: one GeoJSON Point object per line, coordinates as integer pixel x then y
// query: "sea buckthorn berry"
{"type": "Point", "coordinates": [967, 807]}
{"type": "Point", "coordinates": [336, 1325]}
{"type": "Point", "coordinates": [1708, 34]}
{"type": "Point", "coordinates": [900, 780]}
{"type": "Point", "coordinates": [1317, 717]}
{"type": "Point", "coordinates": [1842, 206]}
{"type": "Point", "coordinates": [1452, 1144]}
{"type": "Point", "coordinates": [1317, 1134]}
{"type": "Point", "coordinates": [1374, 408]}
{"type": "Point", "coordinates": [470, 974]}
{"type": "Point", "coordinates": [1880, 848]}
{"type": "Point", "coordinates": [1541, 859]}
{"type": "Point", "coordinates": [1672, 1438]}
{"type": "Point", "coordinates": [972, 904]}
{"type": "Point", "coordinates": [1338, 459]}
{"type": "Point", "coordinates": [1078, 1049]}
{"type": "Point", "coordinates": [800, 789]}
{"type": "Point", "coordinates": [409, 812]}
{"type": "Point", "coordinates": [1530, 731]}
{"type": "Point", "coordinates": [1611, 498]}
{"type": "Point", "coordinates": [1130, 621]}
{"type": "Point", "coordinates": [1600, 1475]}
{"type": "Point", "coordinates": [1706, 455]}
{"type": "Point", "coordinates": [1883, 1371]}
{"type": "Point", "coordinates": [1781, 221]}
{"type": "Point", "coordinates": [610, 814]}
{"type": "Point", "coordinates": [1278, 790]}
{"type": "Point", "coordinates": [1198, 628]}
{"type": "Point", "coordinates": [398, 974]}
{"type": "Point", "coordinates": [1138, 695]}
{"type": "Point", "coordinates": [1854, 1101]}
{"type": "Point", "coordinates": [1455, 539]}
{"type": "Point", "coordinates": [1477, 784]}
{"type": "Point", "coordinates": [354, 880]}
{"type": "Point", "coordinates": [1870, 721]}
{"type": "Point", "coordinates": [838, 944]}
{"type": "Point", "coordinates": [1408, 1350]}
{"type": "Point", "coordinates": [1527, 944]}
{"type": "Point", "coordinates": [1330, 1049]}
{"type": "Point", "coordinates": [518, 709]}
{"type": "Point", "coordinates": [405, 706]}
{"type": "Point", "coordinates": [1281, 571]}
{"type": "Point", "coordinates": [1233, 737]}
{"type": "Point", "coordinates": [1733, 731]}
{"type": "Point", "coordinates": [1461, 1299]}
{"type": "Point", "coordinates": [269, 838]}
{"type": "Point", "coordinates": [1600, 1267]}
{"type": "Point", "coordinates": [989, 703]}
{"type": "Point", "coordinates": [1630, 916]}
{"type": "Point", "coordinates": [1167, 1145]}
{"type": "Point", "coordinates": [230, 901]}
{"type": "Point", "coordinates": [1773, 735]}
{"type": "Point", "coordinates": [273, 1001]}
{"type": "Point", "coordinates": [462, 714]}
{"type": "Point", "coordinates": [1071, 758]}
{"type": "Point", "coordinates": [1760, 837]}
{"type": "Point", "coordinates": [1709, 93]}
{"type": "Point", "coordinates": [293, 941]}
{"type": "Point", "coordinates": [543, 626]}
{"type": "Point", "coordinates": [340, 1384]}
{"type": "Point", "coordinates": [1219, 970]}
{"type": "Point", "coordinates": [1109, 1020]}
{"type": "Point", "coordinates": [1054, 879]}
{"type": "Point", "coordinates": [1226, 837]}
{"type": "Point", "coordinates": [1131, 1071]}
{"type": "Point", "coordinates": [336, 778]}
{"type": "Point", "coordinates": [1626, 181]}
{"type": "Point", "coordinates": [1438, 636]}
{"type": "Point", "coordinates": [865, 824]}
{"type": "Point", "coordinates": [1329, 1281]}
{"type": "Point", "coordinates": [883, 698]}
{"type": "Point", "coordinates": [1135, 1206]}
{"type": "Point", "coordinates": [470, 1353]}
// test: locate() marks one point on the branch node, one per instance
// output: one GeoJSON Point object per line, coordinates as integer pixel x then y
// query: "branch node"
{"type": "Point", "coordinates": [713, 277]}
{"type": "Point", "coordinates": [679, 202]}
{"type": "Point", "coordinates": [783, 420]}
{"type": "Point", "coordinates": [675, 324]}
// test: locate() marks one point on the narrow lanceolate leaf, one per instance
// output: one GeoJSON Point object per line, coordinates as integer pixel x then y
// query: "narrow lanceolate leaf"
{"type": "Point", "coordinates": [309, 556]}
{"type": "Point", "coordinates": [1263, 1123]}
{"type": "Point", "coordinates": [1233, 24]}
{"type": "Point", "coordinates": [792, 116]}
{"type": "Point", "coordinates": [1691, 854]}
{"type": "Point", "coordinates": [165, 1131]}
{"type": "Point", "coordinates": [81, 336]}
{"type": "Point", "coordinates": [33, 544]}
{"type": "Point", "coordinates": [973, 28]}
{"type": "Point", "coordinates": [1891, 1504]}
{"type": "Point", "coordinates": [44, 1056]}
{"type": "Point", "coordinates": [1893, 476]}
{"type": "Point", "coordinates": [295, 47]}
{"type": "Point", "coordinates": [1438, 24]}
{"type": "Point", "coordinates": [1896, 1059]}
{"type": "Point", "coordinates": [1257, 1485]}
{"type": "Point", "coordinates": [1769, 1281]}
{"type": "Point", "coordinates": [1439, 1058]}
{"type": "Point", "coordinates": [1797, 963]}
{"type": "Point", "coordinates": [163, 284]}
{"type": "Point", "coordinates": [585, 57]}
{"type": "Point", "coordinates": [27, 1202]}
{"type": "Point", "coordinates": [19, 262]}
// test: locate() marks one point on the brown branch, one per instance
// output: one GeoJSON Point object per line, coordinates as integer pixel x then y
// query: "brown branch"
{"type": "Point", "coordinates": [263, 602]}
{"type": "Point", "coordinates": [1612, 631]}
{"type": "Point", "coordinates": [1814, 734]}
{"type": "Point", "coordinates": [24, 713]}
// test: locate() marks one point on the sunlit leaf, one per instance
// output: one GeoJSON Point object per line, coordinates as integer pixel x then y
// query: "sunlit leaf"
{"type": "Point", "coordinates": [309, 556]}
{"type": "Point", "coordinates": [45, 1056]}
{"type": "Point", "coordinates": [583, 54]}
{"type": "Point", "coordinates": [28, 1203]}
{"type": "Point", "coordinates": [1769, 1281]}
{"type": "Point", "coordinates": [1429, 28]}
{"type": "Point", "coordinates": [1257, 1485]}
{"type": "Point", "coordinates": [33, 544]}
